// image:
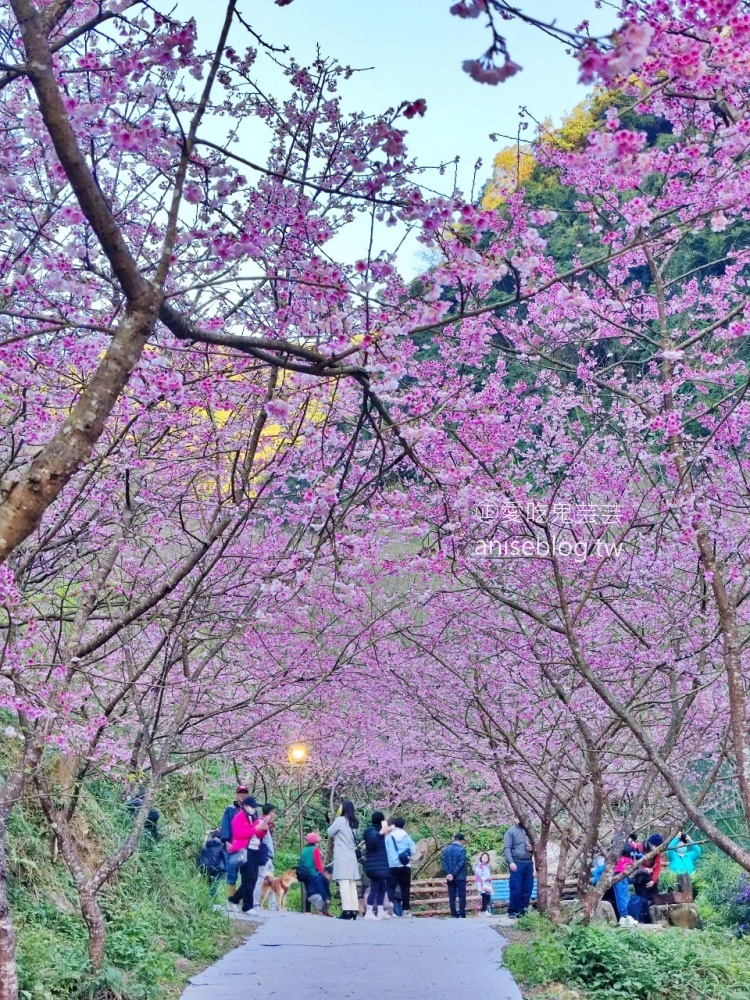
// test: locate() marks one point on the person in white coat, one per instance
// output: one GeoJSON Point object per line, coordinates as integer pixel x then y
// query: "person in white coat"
{"type": "Point", "coordinates": [344, 831]}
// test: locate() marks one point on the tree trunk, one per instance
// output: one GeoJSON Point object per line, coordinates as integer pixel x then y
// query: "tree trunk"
{"type": "Point", "coordinates": [8, 972]}
{"type": "Point", "coordinates": [542, 869]}
{"type": "Point", "coordinates": [590, 900]}
{"type": "Point", "coordinates": [94, 920]}
{"type": "Point", "coordinates": [556, 889]}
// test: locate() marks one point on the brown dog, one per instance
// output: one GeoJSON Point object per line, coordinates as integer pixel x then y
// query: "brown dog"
{"type": "Point", "coordinates": [279, 887]}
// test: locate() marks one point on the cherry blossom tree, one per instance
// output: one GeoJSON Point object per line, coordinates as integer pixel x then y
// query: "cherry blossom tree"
{"type": "Point", "coordinates": [496, 517]}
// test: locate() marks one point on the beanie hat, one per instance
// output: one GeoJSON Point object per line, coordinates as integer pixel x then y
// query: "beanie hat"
{"type": "Point", "coordinates": [313, 838]}
{"type": "Point", "coordinates": [655, 840]}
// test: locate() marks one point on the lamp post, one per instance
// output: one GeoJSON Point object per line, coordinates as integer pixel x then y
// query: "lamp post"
{"type": "Point", "coordinates": [298, 757]}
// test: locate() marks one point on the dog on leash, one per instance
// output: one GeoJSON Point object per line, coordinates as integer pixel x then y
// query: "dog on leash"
{"type": "Point", "coordinates": [279, 887]}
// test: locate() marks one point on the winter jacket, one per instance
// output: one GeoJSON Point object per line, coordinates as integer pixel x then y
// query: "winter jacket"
{"type": "Point", "coordinates": [396, 843]}
{"type": "Point", "coordinates": [515, 845]}
{"type": "Point", "coordinates": [345, 864]}
{"type": "Point", "coordinates": [310, 861]}
{"type": "Point", "coordinates": [622, 864]}
{"type": "Point", "coordinates": [376, 854]}
{"type": "Point", "coordinates": [454, 861]}
{"type": "Point", "coordinates": [244, 831]}
{"type": "Point", "coordinates": [653, 866]}
{"type": "Point", "coordinates": [483, 877]}
{"type": "Point", "coordinates": [212, 855]}
{"type": "Point", "coordinates": [266, 849]}
{"type": "Point", "coordinates": [682, 857]}
{"type": "Point", "coordinates": [225, 829]}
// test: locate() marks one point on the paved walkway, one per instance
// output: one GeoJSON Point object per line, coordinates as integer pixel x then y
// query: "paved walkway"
{"type": "Point", "coordinates": [296, 957]}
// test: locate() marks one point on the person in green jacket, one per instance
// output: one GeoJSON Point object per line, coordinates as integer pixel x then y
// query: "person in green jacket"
{"type": "Point", "coordinates": [682, 853]}
{"type": "Point", "coordinates": [312, 875]}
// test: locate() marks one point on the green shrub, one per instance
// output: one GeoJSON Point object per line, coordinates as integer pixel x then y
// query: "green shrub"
{"type": "Point", "coordinates": [614, 964]}
{"type": "Point", "coordinates": [486, 839]}
{"type": "Point", "coordinates": [717, 882]}
{"type": "Point", "coordinates": [544, 961]}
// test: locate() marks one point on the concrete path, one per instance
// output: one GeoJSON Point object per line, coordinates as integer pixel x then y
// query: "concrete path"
{"type": "Point", "coordinates": [296, 957]}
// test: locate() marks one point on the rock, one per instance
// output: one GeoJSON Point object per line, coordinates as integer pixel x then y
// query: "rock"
{"type": "Point", "coordinates": [553, 857]}
{"type": "Point", "coordinates": [183, 966]}
{"type": "Point", "coordinates": [604, 913]}
{"type": "Point", "coordinates": [497, 860]}
{"type": "Point", "coordinates": [683, 915]}
{"type": "Point", "coordinates": [426, 862]}
{"type": "Point", "coordinates": [57, 899]}
{"type": "Point", "coordinates": [658, 914]}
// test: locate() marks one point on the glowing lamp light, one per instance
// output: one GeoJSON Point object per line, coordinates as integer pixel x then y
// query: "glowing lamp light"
{"type": "Point", "coordinates": [298, 753]}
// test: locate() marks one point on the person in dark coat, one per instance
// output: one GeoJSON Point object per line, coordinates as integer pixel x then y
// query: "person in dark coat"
{"type": "Point", "coordinates": [639, 904]}
{"type": "Point", "coordinates": [454, 866]}
{"type": "Point", "coordinates": [212, 859]}
{"type": "Point", "coordinates": [151, 826]}
{"type": "Point", "coordinates": [376, 865]}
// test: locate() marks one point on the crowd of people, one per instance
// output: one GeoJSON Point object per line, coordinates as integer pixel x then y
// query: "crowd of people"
{"type": "Point", "coordinates": [373, 866]}
{"type": "Point", "coordinates": [635, 907]}
{"type": "Point", "coordinates": [241, 848]}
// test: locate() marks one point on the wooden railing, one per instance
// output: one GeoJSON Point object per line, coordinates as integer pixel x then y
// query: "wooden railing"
{"type": "Point", "coordinates": [429, 896]}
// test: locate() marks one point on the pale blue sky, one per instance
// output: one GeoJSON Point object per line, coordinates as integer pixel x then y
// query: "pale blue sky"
{"type": "Point", "coordinates": [416, 49]}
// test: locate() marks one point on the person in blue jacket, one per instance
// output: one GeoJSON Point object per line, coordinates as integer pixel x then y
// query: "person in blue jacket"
{"type": "Point", "coordinates": [682, 853]}
{"type": "Point", "coordinates": [401, 849]}
{"type": "Point", "coordinates": [454, 866]}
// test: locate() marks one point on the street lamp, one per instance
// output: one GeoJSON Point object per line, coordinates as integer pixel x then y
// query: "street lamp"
{"type": "Point", "coordinates": [298, 757]}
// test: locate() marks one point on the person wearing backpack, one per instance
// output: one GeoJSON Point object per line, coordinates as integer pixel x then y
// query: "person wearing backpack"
{"type": "Point", "coordinates": [400, 848]}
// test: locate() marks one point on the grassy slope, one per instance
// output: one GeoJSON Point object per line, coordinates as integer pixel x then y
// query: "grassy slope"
{"type": "Point", "coordinates": [158, 909]}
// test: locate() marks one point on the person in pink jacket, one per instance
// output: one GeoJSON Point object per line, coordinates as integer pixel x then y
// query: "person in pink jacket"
{"type": "Point", "coordinates": [247, 833]}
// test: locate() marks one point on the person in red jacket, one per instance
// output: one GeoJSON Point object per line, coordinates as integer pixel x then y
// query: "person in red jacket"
{"type": "Point", "coordinates": [654, 867]}
{"type": "Point", "coordinates": [247, 833]}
